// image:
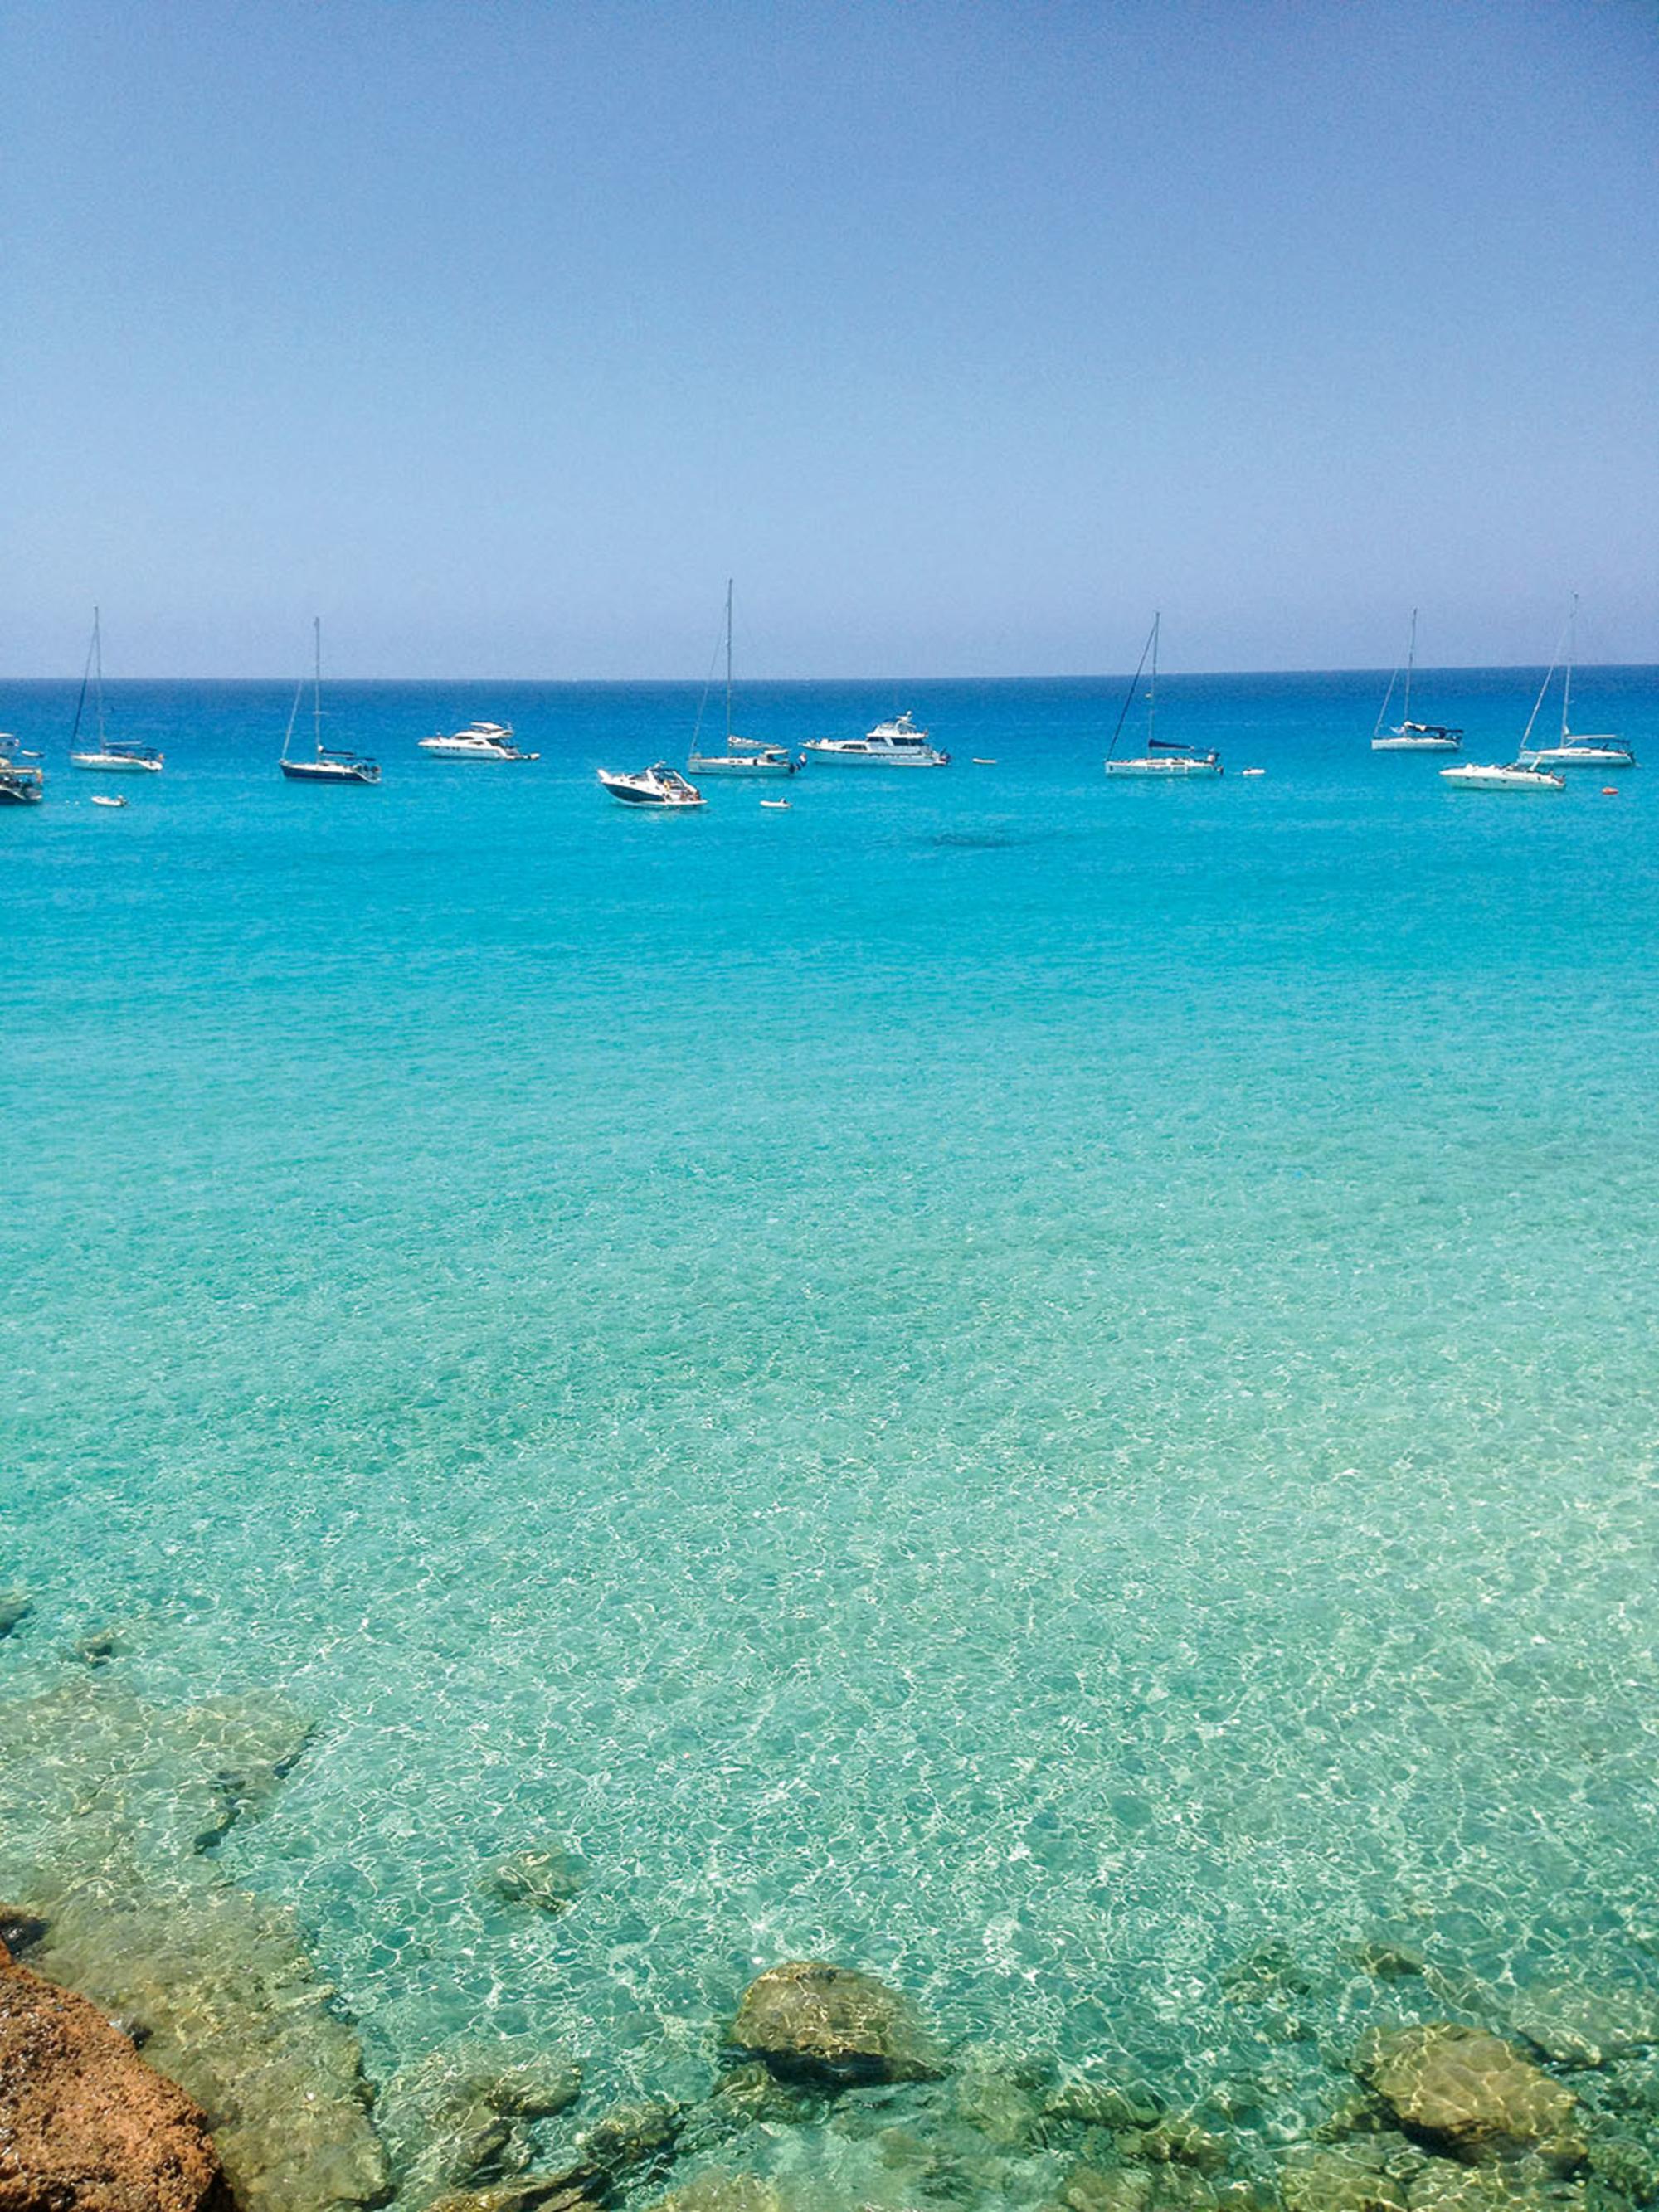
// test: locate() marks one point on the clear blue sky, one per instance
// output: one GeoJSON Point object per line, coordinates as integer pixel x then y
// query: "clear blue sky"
{"type": "Point", "coordinates": [500, 331]}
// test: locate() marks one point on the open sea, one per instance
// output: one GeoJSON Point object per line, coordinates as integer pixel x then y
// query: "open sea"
{"type": "Point", "coordinates": [1044, 1388]}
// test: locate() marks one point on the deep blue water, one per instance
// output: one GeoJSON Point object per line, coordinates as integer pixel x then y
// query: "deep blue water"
{"type": "Point", "coordinates": [1029, 1384]}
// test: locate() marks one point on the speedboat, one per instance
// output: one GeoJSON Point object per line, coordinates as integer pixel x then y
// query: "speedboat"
{"type": "Point", "coordinates": [113, 759]}
{"type": "Point", "coordinates": [491, 741]}
{"type": "Point", "coordinates": [744, 756]}
{"type": "Point", "coordinates": [659, 786]}
{"type": "Point", "coordinates": [19, 785]}
{"type": "Point", "coordinates": [897, 744]}
{"type": "Point", "coordinates": [1504, 775]}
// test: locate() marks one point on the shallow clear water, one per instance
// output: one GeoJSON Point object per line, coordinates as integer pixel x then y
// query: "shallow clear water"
{"type": "Point", "coordinates": [1029, 1384]}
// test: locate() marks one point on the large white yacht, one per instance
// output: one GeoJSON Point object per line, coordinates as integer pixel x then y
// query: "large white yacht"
{"type": "Point", "coordinates": [19, 785]}
{"type": "Point", "coordinates": [897, 744]}
{"type": "Point", "coordinates": [480, 741]}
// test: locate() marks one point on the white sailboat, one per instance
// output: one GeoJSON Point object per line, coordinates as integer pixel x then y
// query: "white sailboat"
{"type": "Point", "coordinates": [744, 756]}
{"type": "Point", "coordinates": [327, 763]}
{"type": "Point", "coordinates": [1408, 736]}
{"type": "Point", "coordinates": [1163, 757]}
{"type": "Point", "coordinates": [1522, 774]}
{"type": "Point", "coordinates": [1572, 751]}
{"type": "Point", "coordinates": [105, 756]}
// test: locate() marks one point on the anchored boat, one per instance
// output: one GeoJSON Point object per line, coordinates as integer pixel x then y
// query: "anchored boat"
{"type": "Point", "coordinates": [20, 785]}
{"type": "Point", "coordinates": [897, 744]}
{"type": "Point", "coordinates": [478, 741]}
{"type": "Point", "coordinates": [327, 763]}
{"type": "Point", "coordinates": [1408, 736]}
{"type": "Point", "coordinates": [106, 757]}
{"type": "Point", "coordinates": [743, 756]}
{"type": "Point", "coordinates": [1163, 757]}
{"type": "Point", "coordinates": [660, 786]}
{"type": "Point", "coordinates": [1573, 750]}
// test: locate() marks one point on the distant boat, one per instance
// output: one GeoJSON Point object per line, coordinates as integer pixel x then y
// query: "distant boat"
{"type": "Point", "coordinates": [897, 744]}
{"type": "Point", "coordinates": [1572, 752]}
{"type": "Point", "coordinates": [1163, 757]}
{"type": "Point", "coordinates": [1407, 736]}
{"type": "Point", "coordinates": [105, 757]}
{"type": "Point", "coordinates": [660, 785]}
{"type": "Point", "coordinates": [106, 799]}
{"type": "Point", "coordinates": [746, 756]}
{"type": "Point", "coordinates": [1504, 775]}
{"type": "Point", "coordinates": [326, 764]}
{"type": "Point", "coordinates": [478, 741]}
{"type": "Point", "coordinates": [19, 785]}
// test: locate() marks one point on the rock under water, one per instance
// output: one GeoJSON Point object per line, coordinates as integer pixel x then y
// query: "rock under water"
{"type": "Point", "coordinates": [86, 2125]}
{"type": "Point", "coordinates": [833, 2025]}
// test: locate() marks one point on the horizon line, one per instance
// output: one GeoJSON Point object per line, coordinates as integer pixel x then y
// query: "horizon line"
{"type": "Point", "coordinates": [667, 682]}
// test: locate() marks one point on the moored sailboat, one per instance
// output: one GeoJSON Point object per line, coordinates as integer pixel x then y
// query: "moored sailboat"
{"type": "Point", "coordinates": [1408, 736]}
{"type": "Point", "coordinates": [743, 756]}
{"type": "Point", "coordinates": [327, 764]}
{"type": "Point", "coordinates": [1573, 750]}
{"type": "Point", "coordinates": [1163, 757]}
{"type": "Point", "coordinates": [106, 756]}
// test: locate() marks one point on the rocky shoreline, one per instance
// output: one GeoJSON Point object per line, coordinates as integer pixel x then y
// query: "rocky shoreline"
{"type": "Point", "coordinates": [200, 2052]}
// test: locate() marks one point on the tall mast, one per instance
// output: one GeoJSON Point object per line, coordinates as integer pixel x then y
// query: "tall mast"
{"type": "Point", "coordinates": [1411, 663]}
{"type": "Point", "coordinates": [728, 664]}
{"type": "Point", "coordinates": [1151, 689]}
{"type": "Point", "coordinates": [1572, 648]}
{"type": "Point", "coordinates": [317, 683]}
{"type": "Point", "coordinates": [98, 679]}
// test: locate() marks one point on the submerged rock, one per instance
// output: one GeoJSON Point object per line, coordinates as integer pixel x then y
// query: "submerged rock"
{"type": "Point", "coordinates": [14, 1609]}
{"type": "Point", "coordinates": [451, 2120]}
{"type": "Point", "coordinates": [565, 2191]}
{"type": "Point", "coordinates": [98, 1648]}
{"type": "Point", "coordinates": [1576, 2026]}
{"type": "Point", "coordinates": [1347, 2180]}
{"type": "Point", "coordinates": [105, 1804]}
{"type": "Point", "coordinates": [542, 1880]}
{"type": "Point", "coordinates": [1095, 2101]}
{"type": "Point", "coordinates": [19, 1931]}
{"type": "Point", "coordinates": [814, 2022]}
{"type": "Point", "coordinates": [717, 2191]}
{"type": "Point", "coordinates": [85, 2124]}
{"type": "Point", "coordinates": [1445, 2186]}
{"type": "Point", "coordinates": [632, 2138]}
{"type": "Point", "coordinates": [1468, 2093]}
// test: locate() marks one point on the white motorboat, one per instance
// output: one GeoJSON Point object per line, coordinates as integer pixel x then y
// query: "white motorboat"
{"type": "Point", "coordinates": [106, 799]}
{"type": "Point", "coordinates": [660, 786]}
{"type": "Point", "coordinates": [478, 741]}
{"type": "Point", "coordinates": [20, 785]}
{"type": "Point", "coordinates": [327, 763]}
{"type": "Point", "coordinates": [1408, 736]}
{"type": "Point", "coordinates": [106, 756]}
{"type": "Point", "coordinates": [742, 757]}
{"type": "Point", "coordinates": [897, 744]}
{"type": "Point", "coordinates": [1505, 776]}
{"type": "Point", "coordinates": [1573, 750]}
{"type": "Point", "coordinates": [1163, 757]}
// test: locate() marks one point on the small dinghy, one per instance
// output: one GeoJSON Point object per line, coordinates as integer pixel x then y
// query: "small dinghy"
{"type": "Point", "coordinates": [981, 761]}
{"type": "Point", "coordinates": [98, 798]}
{"type": "Point", "coordinates": [777, 805]}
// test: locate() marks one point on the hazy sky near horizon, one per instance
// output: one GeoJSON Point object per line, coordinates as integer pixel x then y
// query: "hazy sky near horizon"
{"type": "Point", "coordinates": [963, 335]}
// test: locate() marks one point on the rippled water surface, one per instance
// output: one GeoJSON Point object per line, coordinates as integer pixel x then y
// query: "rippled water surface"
{"type": "Point", "coordinates": [1033, 1385]}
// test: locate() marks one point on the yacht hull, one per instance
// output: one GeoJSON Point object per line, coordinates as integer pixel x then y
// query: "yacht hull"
{"type": "Point", "coordinates": [738, 764]}
{"type": "Point", "coordinates": [328, 772]}
{"type": "Point", "coordinates": [1162, 768]}
{"type": "Point", "coordinates": [1415, 745]}
{"type": "Point", "coordinates": [1502, 779]}
{"type": "Point", "coordinates": [115, 764]}
{"type": "Point", "coordinates": [846, 756]}
{"type": "Point", "coordinates": [20, 791]}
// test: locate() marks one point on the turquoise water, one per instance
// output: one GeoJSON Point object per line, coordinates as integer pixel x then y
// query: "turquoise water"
{"type": "Point", "coordinates": [1028, 1384]}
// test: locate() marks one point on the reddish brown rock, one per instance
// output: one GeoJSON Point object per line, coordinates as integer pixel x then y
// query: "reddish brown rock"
{"type": "Point", "coordinates": [85, 2125]}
